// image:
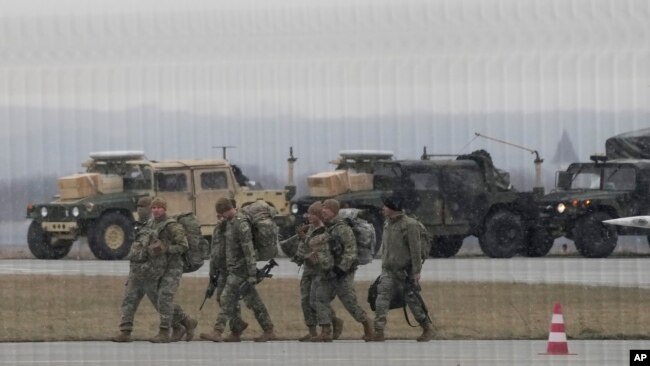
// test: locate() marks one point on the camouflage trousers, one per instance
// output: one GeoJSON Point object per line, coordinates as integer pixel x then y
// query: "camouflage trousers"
{"type": "Point", "coordinates": [391, 285]}
{"type": "Point", "coordinates": [236, 321]}
{"type": "Point", "coordinates": [137, 287]}
{"type": "Point", "coordinates": [316, 306]}
{"type": "Point", "coordinates": [167, 288]}
{"type": "Point", "coordinates": [230, 302]}
{"type": "Point", "coordinates": [328, 288]}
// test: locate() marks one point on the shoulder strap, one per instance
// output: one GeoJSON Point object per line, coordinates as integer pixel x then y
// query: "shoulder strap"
{"type": "Point", "coordinates": [164, 225]}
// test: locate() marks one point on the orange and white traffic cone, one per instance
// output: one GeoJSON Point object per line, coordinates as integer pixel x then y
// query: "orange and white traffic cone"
{"type": "Point", "coordinates": [557, 342]}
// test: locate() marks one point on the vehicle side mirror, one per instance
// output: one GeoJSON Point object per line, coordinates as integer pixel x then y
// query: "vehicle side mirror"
{"type": "Point", "coordinates": [563, 180]}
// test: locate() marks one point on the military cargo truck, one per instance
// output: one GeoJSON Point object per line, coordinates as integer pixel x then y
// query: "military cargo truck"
{"type": "Point", "coordinates": [454, 196]}
{"type": "Point", "coordinates": [101, 203]}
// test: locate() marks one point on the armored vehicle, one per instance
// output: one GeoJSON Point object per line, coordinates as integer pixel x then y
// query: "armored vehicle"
{"type": "Point", "coordinates": [453, 197]}
{"type": "Point", "coordinates": [588, 193]}
{"type": "Point", "coordinates": [101, 204]}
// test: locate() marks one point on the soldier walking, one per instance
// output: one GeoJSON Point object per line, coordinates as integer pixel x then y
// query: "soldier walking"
{"type": "Point", "coordinates": [145, 274]}
{"type": "Point", "coordinates": [401, 261]}
{"type": "Point", "coordinates": [241, 267]}
{"type": "Point", "coordinates": [218, 265]}
{"type": "Point", "coordinates": [343, 246]}
{"type": "Point", "coordinates": [313, 252]}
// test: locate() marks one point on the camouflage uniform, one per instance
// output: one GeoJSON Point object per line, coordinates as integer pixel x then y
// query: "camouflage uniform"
{"type": "Point", "coordinates": [169, 265]}
{"type": "Point", "coordinates": [344, 248]}
{"type": "Point", "coordinates": [218, 264]}
{"type": "Point", "coordinates": [401, 256]}
{"type": "Point", "coordinates": [241, 266]}
{"type": "Point", "coordinates": [144, 276]}
{"type": "Point", "coordinates": [314, 253]}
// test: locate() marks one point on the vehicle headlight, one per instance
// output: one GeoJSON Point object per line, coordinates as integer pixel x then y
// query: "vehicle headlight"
{"type": "Point", "coordinates": [561, 207]}
{"type": "Point", "coordinates": [75, 211]}
{"type": "Point", "coordinates": [44, 211]}
{"type": "Point", "coordinates": [294, 208]}
{"type": "Point", "coordinates": [89, 206]}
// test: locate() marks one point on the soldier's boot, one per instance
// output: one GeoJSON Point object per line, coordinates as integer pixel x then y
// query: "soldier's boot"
{"type": "Point", "coordinates": [378, 336]}
{"type": "Point", "coordinates": [368, 334]}
{"type": "Point", "coordinates": [268, 335]}
{"type": "Point", "coordinates": [337, 327]}
{"type": "Point", "coordinates": [325, 334]}
{"type": "Point", "coordinates": [178, 332]}
{"type": "Point", "coordinates": [190, 325]}
{"type": "Point", "coordinates": [236, 336]}
{"type": "Point", "coordinates": [308, 337]}
{"type": "Point", "coordinates": [214, 336]}
{"type": "Point", "coordinates": [123, 336]}
{"type": "Point", "coordinates": [161, 337]}
{"type": "Point", "coordinates": [427, 333]}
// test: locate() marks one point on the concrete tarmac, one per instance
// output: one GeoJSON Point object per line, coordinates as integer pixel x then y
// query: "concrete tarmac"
{"type": "Point", "coordinates": [623, 272]}
{"type": "Point", "coordinates": [403, 353]}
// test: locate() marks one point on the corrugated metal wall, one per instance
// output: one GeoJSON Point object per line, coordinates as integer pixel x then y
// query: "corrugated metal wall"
{"type": "Point", "coordinates": [319, 76]}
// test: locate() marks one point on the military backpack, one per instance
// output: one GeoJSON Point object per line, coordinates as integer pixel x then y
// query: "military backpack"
{"type": "Point", "coordinates": [426, 240]}
{"type": "Point", "coordinates": [364, 233]}
{"type": "Point", "coordinates": [265, 232]}
{"type": "Point", "coordinates": [199, 248]}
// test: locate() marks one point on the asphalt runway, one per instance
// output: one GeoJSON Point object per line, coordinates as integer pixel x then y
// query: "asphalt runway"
{"type": "Point", "coordinates": [624, 272]}
{"type": "Point", "coordinates": [403, 353]}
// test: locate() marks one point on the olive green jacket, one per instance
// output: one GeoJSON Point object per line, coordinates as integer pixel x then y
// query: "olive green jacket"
{"type": "Point", "coordinates": [400, 246]}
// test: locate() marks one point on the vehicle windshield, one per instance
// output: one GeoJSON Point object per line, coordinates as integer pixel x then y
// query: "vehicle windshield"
{"type": "Point", "coordinates": [614, 178]}
{"type": "Point", "coordinates": [387, 177]}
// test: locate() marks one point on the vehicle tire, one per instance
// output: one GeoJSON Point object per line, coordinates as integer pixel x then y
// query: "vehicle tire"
{"type": "Point", "coordinates": [502, 236]}
{"type": "Point", "coordinates": [594, 239]}
{"type": "Point", "coordinates": [111, 236]}
{"type": "Point", "coordinates": [446, 246]}
{"type": "Point", "coordinates": [539, 242]}
{"type": "Point", "coordinates": [40, 243]}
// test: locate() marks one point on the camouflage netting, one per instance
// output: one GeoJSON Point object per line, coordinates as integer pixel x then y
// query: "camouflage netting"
{"type": "Point", "coordinates": [629, 145]}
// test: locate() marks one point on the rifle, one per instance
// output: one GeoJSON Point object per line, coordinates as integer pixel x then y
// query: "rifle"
{"type": "Point", "coordinates": [411, 288]}
{"type": "Point", "coordinates": [264, 272]}
{"type": "Point", "coordinates": [212, 286]}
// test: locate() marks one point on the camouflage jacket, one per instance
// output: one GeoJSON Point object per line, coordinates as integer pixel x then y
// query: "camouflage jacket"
{"type": "Point", "coordinates": [218, 249]}
{"type": "Point", "coordinates": [240, 253]}
{"type": "Point", "coordinates": [314, 252]}
{"type": "Point", "coordinates": [343, 244]}
{"type": "Point", "coordinates": [400, 246]}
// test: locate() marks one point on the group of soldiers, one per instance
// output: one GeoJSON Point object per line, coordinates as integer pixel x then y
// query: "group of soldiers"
{"type": "Point", "coordinates": [325, 248]}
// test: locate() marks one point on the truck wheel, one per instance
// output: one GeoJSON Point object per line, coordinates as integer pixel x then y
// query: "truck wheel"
{"type": "Point", "coordinates": [502, 236]}
{"type": "Point", "coordinates": [539, 242]}
{"type": "Point", "coordinates": [111, 236]}
{"type": "Point", "coordinates": [593, 239]}
{"type": "Point", "coordinates": [446, 246]}
{"type": "Point", "coordinates": [40, 243]}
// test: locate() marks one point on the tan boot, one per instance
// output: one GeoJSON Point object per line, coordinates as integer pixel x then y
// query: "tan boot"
{"type": "Point", "coordinates": [367, 330]}
{"type": "Point", "coordinates": [236, 336]}
{"type": "Point", "coordinates": [325, 334]}
{"type": "Point", "coordinates": [378, 336]}
{"type": "Point", "coordinates": [337, 327]}
{"type": "Point", "coordinates": [268, 335]}
{"type": "Point", "coordinates": [214, 336]}
{"type": "Point", "coordinates": [161, 337]}
{"type": "Point", "coordinates": [190, 325]}
{"type": "Point", "coordinates": [178, 332]}
{"type": "Point", "coordinates": [427, 333]}
{"type": "Point", "coordinates": [123, 336]}
{"type": "Point", "coordinates": [307, 338]}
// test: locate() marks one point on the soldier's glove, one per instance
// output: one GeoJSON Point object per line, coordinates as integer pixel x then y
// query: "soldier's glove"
{"type": "Point", "coordinates": [252, 280]}
{"type": "Point", "coordinates": [339, 272]}
{"type": "Point", "coordinates": [156, 248]}
{"type": "Point", "coordinates": [302, 231]}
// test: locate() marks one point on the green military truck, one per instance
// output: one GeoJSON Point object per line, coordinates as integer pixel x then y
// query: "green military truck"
{"type": "Point", "coordinates": [610, 186]}
{"type": "Point", "coordinates": [101, 203]}
{"type": "Point", "coordinates": [454, 197]}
